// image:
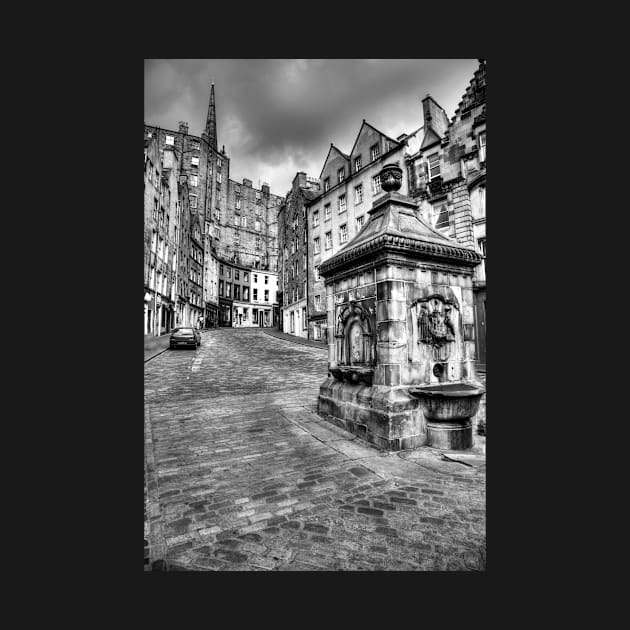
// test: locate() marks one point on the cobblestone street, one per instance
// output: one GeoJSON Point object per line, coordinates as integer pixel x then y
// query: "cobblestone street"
{"type": "Point", "coordinates": [241, 474]}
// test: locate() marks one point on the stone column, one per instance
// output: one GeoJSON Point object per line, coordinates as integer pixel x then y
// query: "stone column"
{"type": "Point", "coordinates": [391, 328]}
{"type": "Point", "coordinates": [330, 309]}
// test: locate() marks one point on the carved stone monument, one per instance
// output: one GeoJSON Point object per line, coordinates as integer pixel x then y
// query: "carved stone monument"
{"type": "Point", "coordinates": [400, 302]}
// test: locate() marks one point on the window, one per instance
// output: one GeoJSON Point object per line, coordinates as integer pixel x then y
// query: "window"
{"type": "Point", "coordinates": [257, 225]}
{"type": "Point", "coordinates": [193, 180]}
{"type": "Point", "coordinates": [255, 294]}
{"type": "Point", "coordinates": [343, 233]}
{"type": "Point", "coordinates": [376, 184]}
{"type": "Point", "coordinates": [266, 295]}
{"type": "Point", "coordinates": [327, 212]}
{"type": "Point", "coordinates": [245, 276]}
{"type": "Point", "coordinates": [221, 269]}
{"type": "Point", "coordinates": [317, 332]}
{"type": "Point", "coordinates": [318, 302]}
{"type": "Point", "coordinates": [375, 152]}
{"type": "Point", "coordinates": [317, 245]}
{"type": "Point", "coordinates": [442, 217]}
{"type": "Point", "coordinates": [328, 240]}
{"type": "Point", "coordinates": [257, 241]}
{"type": "Point", "coordinates": [304, 321]}
{"type": "Point", "coordinates": [244, 222]}
{"type": "Point", "coordinates": [170, 140]}
{"type": "Point", "coordinates": [304, 261]}
{"type": "Point", "coordinates": [341, 174]}
{"type": "Point", "coordinates": [238, 203]}
{"type": "Point", "coordinates": [327, 184]}
{"type": "Point", "coordinates": [229, 272]}
{"type": "Point", "coordinates": [317, 276]}
{"type": "Point", "coordinates": [194, 145]}
{"type": "Point", "coordinates": [193, 201]}
{"type": "Point", "coordinates": [358, 194]}
{"type": "Point", "coordinates": [357, 164]}
{"type": "Point", "coordinates": [434, 166]}
{"type": "Point", "coordinates": [217, 233]}
{"type": "Point", "coordinates": [293, 246]}
{"type": "Point", "coordinates": [219, 162]}
{"type": "Point", "coordinates": [255, 277]}
{"type": "Point", "coordinates": [194, 161]}
{"type": "Point", "coordinates": [237, 291]}
{"type": "Point", "coordinates": [237, 220]}
{"type": "Point", "coordinates": [292, 321]}
{"type": "Point", "coordinates": [482, 146]}
{"type": "Point", "coordinates": [236, 274]}
{"type": "Point", "coordinates": [155, 208]}
{"type": "Point", "coordinates": [266, 279]}
{"type": "Point", "coordinates": [228, 289]}
{"type": "Point", "coordinates": [154, 241]}
{"type": "Point", "coordinates": [257, 197]}
{"type": "Point", "coordinates": [219, 178]}
{"type": "Point", "coordinates": [360, 221]}
{"type": "Point", "coordinates": [341, 202]}
{"type": "Point", "coordinates": [482, 245]}
{"type": "Point", "coordinates": [245, 294]}
{"type": "Point", "coordinates": [315, 218]}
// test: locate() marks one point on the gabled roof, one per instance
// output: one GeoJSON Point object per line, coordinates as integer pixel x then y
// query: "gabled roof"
{"type": "Point", "coordinates": [332, 146]}
{"type": "Point", "coordinates": [431, 136]}
{"type": "Point", "coordinates": [367, 124]}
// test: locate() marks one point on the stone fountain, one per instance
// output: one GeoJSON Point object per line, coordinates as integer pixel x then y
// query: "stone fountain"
{"type": "Point", "coordinates": [401, 358]}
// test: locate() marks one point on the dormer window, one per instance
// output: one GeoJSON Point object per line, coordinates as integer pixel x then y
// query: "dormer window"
{"type": "Point", "coordinates": [375, 152]}
{"type": "Point", "coordinates": [357, 164]}
{"type": "Point", "coordinates": [327, 184]}
{"type": "Point", "coordinates": [341, 173]}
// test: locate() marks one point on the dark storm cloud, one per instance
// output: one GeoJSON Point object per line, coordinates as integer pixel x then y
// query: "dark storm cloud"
{"type": "Point", "coordinates": [276, 117]}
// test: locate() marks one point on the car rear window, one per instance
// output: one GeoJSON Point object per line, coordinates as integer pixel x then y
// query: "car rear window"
{"type": "Point", "coordinates": [183, 330]}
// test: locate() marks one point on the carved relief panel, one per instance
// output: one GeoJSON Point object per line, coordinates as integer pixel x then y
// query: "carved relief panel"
{"type": "Point", "coordinates": [435, 323]}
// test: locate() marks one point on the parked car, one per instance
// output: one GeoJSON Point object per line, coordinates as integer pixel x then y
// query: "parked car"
{"type": "Point", "coordinates": [185, 336]}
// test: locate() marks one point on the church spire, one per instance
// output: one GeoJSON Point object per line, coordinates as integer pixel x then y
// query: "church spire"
{"type": "Point", "coordinates": [211, 123]}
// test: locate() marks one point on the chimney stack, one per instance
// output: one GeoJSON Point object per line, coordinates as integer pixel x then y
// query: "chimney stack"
{"type": "Point", "coordinates": [183, 127]}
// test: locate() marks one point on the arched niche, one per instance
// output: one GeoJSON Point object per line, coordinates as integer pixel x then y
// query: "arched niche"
{"type": "Point", "coordinates": [355, 335]}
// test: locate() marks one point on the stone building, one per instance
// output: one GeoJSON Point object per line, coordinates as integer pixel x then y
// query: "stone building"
{"type": "Point", "coordinates": [350, 183]}
{"type": "Point", "coordinates": [447, 177]}
{"type": "Point", "coordinates": [160, 249]}
{"type": "Point", "coordinates": [247, 297]}
{"type": "Point", "coordinates": [183, 315]}
{"type": "Point", "coordinates": [214, 198]}
{"type": "Point", "coordinates": [293, 264]}
{"type": "Point", "coordinates": [196, 270]}
{"type": "Point", "coordinates": [248, 228]}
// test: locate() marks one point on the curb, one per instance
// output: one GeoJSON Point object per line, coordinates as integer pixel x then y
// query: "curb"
{"type": "Point", "coordinates": [298, 340]}
{"type": "Point", "coordinates": [156, 355]}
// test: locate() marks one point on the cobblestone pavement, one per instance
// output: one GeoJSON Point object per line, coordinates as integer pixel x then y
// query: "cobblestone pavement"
{"type": "Point", "coordinates": [242, 475]}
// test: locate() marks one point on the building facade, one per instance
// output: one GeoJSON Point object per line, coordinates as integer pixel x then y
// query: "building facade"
{"type": "Point", "coordinates": [447, 178]}
{"type": "Point", "coordinates": [161, 201]}
{"type": "Point", "coordinates": [293, 264]}
{"type": "Point", "coordinates": [349, 185]}
{"type": "Point", "coordinates": [247, 297]}
{"type": "Point", "coordinates": [238, 222]}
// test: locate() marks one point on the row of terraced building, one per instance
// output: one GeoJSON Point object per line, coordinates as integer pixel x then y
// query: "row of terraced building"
{"type": "Point", "coordinates": [444, 171]}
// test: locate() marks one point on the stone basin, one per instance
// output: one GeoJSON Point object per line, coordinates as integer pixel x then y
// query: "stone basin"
{"type": "Point", "coordinates": [448, 409]}
{"type": "Point", "coordinates": [449, 401]}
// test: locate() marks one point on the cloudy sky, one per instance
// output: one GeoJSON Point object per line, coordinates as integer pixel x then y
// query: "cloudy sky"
{"type": "Point", "coordinates": [279, 116]}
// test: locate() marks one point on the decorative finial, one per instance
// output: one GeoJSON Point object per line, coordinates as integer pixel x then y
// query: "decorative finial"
{"type": "Point", "coordinates": [391, 177]}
